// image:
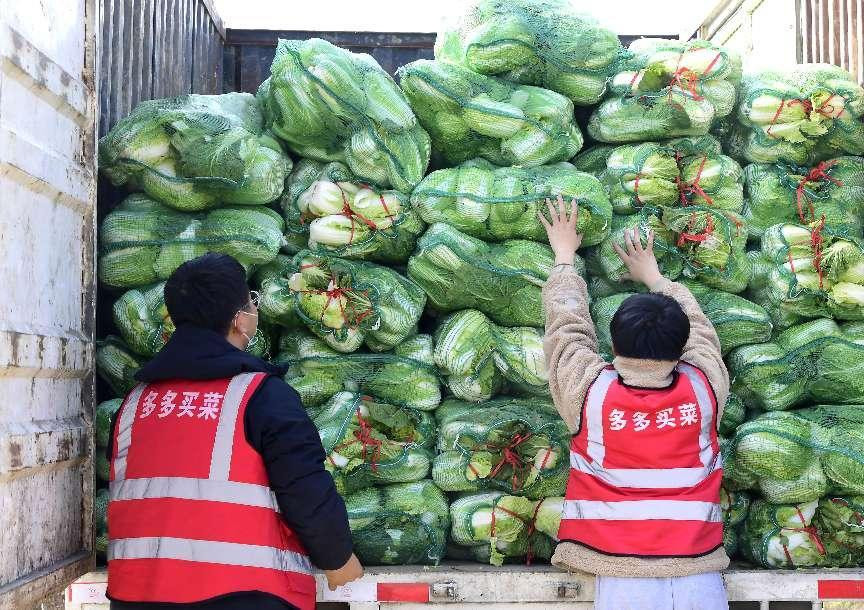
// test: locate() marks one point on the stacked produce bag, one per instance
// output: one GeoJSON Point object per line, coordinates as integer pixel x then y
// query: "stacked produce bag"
{"type": "Point", "coordinates": [400, 261]}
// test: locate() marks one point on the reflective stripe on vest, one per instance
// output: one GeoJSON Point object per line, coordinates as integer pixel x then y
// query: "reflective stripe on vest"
{"type": "Point", "coordinates": [232, 492]}
{"type": "Point", "coordinates": [638, 510]}
{"type": "Point", "coordinates": [644, 478]}
{"type": "Point", "coordinates": [206, 551]}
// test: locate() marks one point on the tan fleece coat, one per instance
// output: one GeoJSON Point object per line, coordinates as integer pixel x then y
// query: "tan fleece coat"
{"type": "Point", "coordinates": [570, 346]}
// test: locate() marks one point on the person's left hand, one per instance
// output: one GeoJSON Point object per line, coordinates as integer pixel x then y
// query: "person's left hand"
{"type": "Point", "coordinates": [563, 237]}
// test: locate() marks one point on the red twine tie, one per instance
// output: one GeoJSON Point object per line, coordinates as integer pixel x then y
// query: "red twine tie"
{"type": "Point", "coordinates": [816, 243]}
{"type": "Point", "coordinates": [810, 531]}
{"type": "Point", "coordinates": [824, 109]}
{"type": "Point", "coordinates": [510, 457]}
{"type": "Point", "coordinates": [350, 316]}
{"type": "Point", "coordinates": [364, 437]}
{"type": "Point", "coordinates": [689, 236]}
{"type": "Point", "coordinates": [532, 525]}
{"type": "Point", "coordinates": [817, 174]}
{"type": "Point", "coordinates": [687, 189]}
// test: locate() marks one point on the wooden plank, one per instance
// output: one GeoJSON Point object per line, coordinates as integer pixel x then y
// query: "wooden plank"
{"type": "Point", "coordinates": [148, 38]}
{"type": "Point", "coordinates": [215, 19]}
{"type": "Point", "coordinates": [216, 63]}
{"type": "Point", "coordinates": [342, 39]}
{"type": "Point", "coordinates": [105, 59]}
{"type": "Point", "coordinates": [230, 55]}
{"type": "Point", "coordinates": [251, 74]}
{"type": "Point", "coordinates": [22, 593]}
{"type": "Point", "coordinates": [199, 57]}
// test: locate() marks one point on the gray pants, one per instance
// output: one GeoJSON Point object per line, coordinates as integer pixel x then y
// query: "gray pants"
{"type": "Point", "coordinates": [697, 592]}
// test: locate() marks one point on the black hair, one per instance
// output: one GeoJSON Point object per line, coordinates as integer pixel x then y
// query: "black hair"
{"type": "Point", "coordinates": [651, 326]}
{"type": "Point", "coordinates": [207, 292]}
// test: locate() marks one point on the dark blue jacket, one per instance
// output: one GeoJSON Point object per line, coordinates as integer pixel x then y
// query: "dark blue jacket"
{"type": "Point", "coordinates": [278, 427]}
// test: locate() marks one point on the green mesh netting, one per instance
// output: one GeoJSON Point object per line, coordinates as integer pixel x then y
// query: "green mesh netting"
{"type": "Point", "coordinates": [329, 210]}
{"type": "Point", "coordinates": [534, 42]}
{"type": "Point", "coordinates": [470, 115]}
{"type": "Point", "coordinates": [355, 301]}
{"type": "Point", "coordinates": [506, 444]}
{"type": "Point", "coordinates": [142, 241]}
{"type": "Point", "coordinates": [783, 193]}
{"type": "Point", "coordinates": [735, 505]}
{"type": "Point", "coordinates": [592, 160]}
{"type": "Point", "coordinates": [117, 364]}
{"type": "Point", "coordinates": [840, 523]}
{"type": "Point", "coordinates": [196, 152]}
{"type": "Point", "coordinates": [734, 414]}
{"type": "Point", "coordinates": [782, 536]}
{"type": "Point", "coordinates": [815, 361]}
{"type": "Point", "coordinates": [332, 105]}
{"type": "Point", "coordinates": [404, 523]}
{"type": "Point", "coordinates": [677, 173]}
{"type": "Point", "coordinates": [799, 456]}
{"type": "Point", "coordinates": [144, 324]}
{"type": "Point", "coordinates": [506, 527]}
{"type": "Point", "coordinates": [502, 280]}
{"type": "Point", "coordinates": [404, 377]}
{"type": "Point", "coordinates": [811, 272]}
{"type": "Point", "coordinates": [477, 357]}
{"type": "Point", "coordinates": [804, 115]}
{"type": "Point", "coordinates": [103, 416]}
{"type": "Point", "coordinates": [272, 280]}
{"type": "Point", "coordinates": [373, 443]}
{"type": "Point", "coordinates": [736, 320]}
{"type": "Point", "coordinates": [498, 203]}
{"type": "Point", "coordinates": [694, 242]}
{"type": "Point", "coordinates": [668, 88]}
{"type": "Point", "coordinates": [100, 520]}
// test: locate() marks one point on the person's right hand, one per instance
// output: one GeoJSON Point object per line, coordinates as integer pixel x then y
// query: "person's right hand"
{"type": "Point", "coordinates": [640, 262]}
{"type": "Point", "coordinates": [351, 571]}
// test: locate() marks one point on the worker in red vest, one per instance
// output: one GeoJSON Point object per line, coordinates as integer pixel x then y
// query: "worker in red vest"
{"type": "Point", "coordinates": [219, 499]}
{"type": "Point", "coordinates": [642, 507]}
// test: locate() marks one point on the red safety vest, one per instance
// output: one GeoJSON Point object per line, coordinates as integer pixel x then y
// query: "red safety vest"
{"type": "Point", "coordinates": [645, 469]}
{"type": "Point", "coordinates": [191, 515]}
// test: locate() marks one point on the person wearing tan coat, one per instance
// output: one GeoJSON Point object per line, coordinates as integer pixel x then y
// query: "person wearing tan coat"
{"type": "Point", "coordinates": [634, 581]}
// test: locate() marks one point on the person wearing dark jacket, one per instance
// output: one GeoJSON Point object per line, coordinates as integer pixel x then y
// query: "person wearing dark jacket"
{"type": "Point", "coordinates": [225, 507]}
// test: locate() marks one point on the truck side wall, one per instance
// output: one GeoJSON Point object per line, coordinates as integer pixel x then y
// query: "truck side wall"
{"type": "Point", "coordinates": [47, 249]}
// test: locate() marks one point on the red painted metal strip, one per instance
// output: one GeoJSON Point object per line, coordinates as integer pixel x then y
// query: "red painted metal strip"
{"type": "Point", "coordinates": [841, 589]}
{"type": "Point", "coordinates": [403, 592]}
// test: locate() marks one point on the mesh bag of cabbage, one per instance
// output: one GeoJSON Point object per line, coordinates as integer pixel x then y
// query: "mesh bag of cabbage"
{"type": "Point", "coordinates": [399, 524]}
{"type": "Point", "coordinates": [694, 242]}
{"type": "Point", "coordinates": [332, 105]}
{"type": "Point", "coordinates": [404, 377]}
{"type": "Point", "coordinates": [117, 364]}
{"type": "Point", "coordinates": [100, 520]}
{"type": "Point", "coordinates": [142, 242]}
{"type": "Point", "coordinates": [736, 320]}
{"type": "Point", "coordinates": [804, 115]}
{"type": "Point", "coordinates": [734, 414]}
{"type": "Point", "coordinates": [502, 280]}
{"type": "Point", "coordinates": [816, 361]}
{"type": "Point", "coordinates": [544, 43]}
{"type": "Point", "coordinates": [667, 89]}
{"type": "Point", "coordinates": [329, 210]}
{"type": "Point", "coordinates": [276, 306]}
{"type": "Point", "coordinates": [373, 443]}
{"type": "Point", "coordinates": [196, 152]}
{"type": "Point", "coordinates": [144, 324]}
{"type": "Point", "coordinates": [735, 505]}
{"type": "Point", "coordinates": [783, 193]}
{"type": "Point", "coordinates": [498, 203]}
{"type": "Point", "coordinates": [507, 444]}
{"type": "Point", "coordinates": [477, 357]}
{"type": "Point", "coordinates": [840, 523]}
{"type": "Point", "coordinates": [355, 301]}
{"type": "Point", "coordinates": [506, 526]}
{"type": "Point", "coordinates": [799, 456]}
{"type": "Point", "coordinates": [592, 160]}
{"type": "Point", "coordinates": [782, 536]}
{"type": "Point", "coordinates": [103, 416]}
{"type": "Point", "coordinates": [677, 173]}
{"type": "Point", "coordinates": [470, 115]}
{"type": "Point", "coordinates": [813, 272]}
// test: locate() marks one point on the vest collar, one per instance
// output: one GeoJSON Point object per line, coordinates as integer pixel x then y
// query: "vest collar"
{"type": "Point", "coordinates": [643, 373]}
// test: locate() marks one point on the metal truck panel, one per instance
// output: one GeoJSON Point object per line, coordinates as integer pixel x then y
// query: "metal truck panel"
{"type": "Point", "coordinates": [47, 245]}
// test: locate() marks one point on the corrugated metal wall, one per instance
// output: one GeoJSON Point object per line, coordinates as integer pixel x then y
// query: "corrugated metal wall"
{"type": "Point", "coordinates": [832, 31]}
{"type": "Point", "coordinates": [249, 53]}
{"type": "Point", "coordinates": [156, 48]}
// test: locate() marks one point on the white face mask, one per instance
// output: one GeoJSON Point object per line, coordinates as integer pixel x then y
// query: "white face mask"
{"type": "Point", "coordinates": [247, 337]}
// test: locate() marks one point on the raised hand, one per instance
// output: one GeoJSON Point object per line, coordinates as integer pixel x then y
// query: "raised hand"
{"type": "Point", "coordinates": [561, 230]}
{"type": "Point", "coordinates": [640, 262]}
